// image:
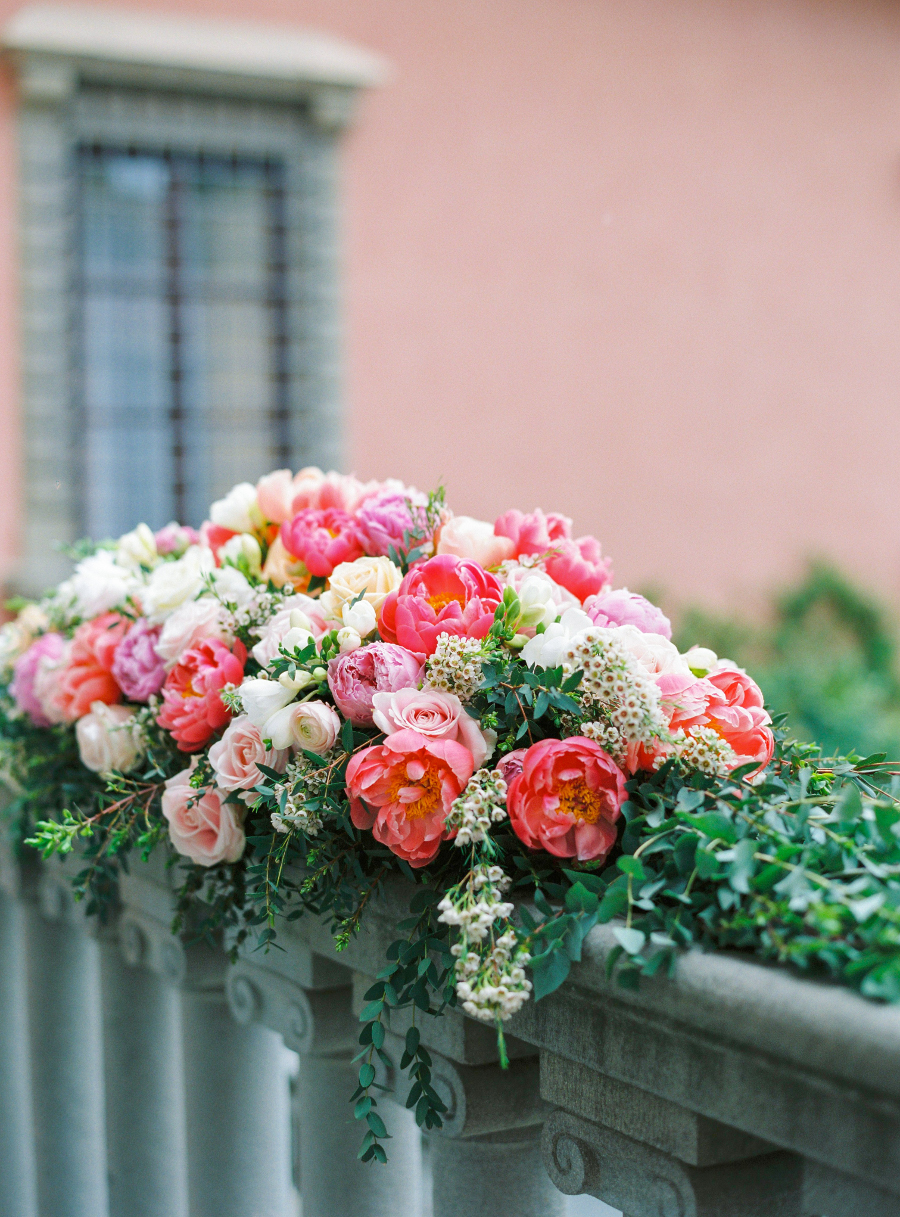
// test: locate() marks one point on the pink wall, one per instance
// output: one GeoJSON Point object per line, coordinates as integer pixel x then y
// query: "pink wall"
{"type": "Point", "coordinates": [636, 261]}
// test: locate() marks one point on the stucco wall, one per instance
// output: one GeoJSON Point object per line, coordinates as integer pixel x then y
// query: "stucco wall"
{"type": "Point", "coordinates": [636, 261]}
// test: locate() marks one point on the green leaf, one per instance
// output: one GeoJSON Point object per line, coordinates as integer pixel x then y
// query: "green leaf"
{"type": "Point", "coordinates": [714, 825]}
{"type": "Point", "coordinates": [347, 735]}
{"type": "Point", "coordinates": [613, 903]}
{"type": "Point", "coordinates": [366, 1075]}
{"type": "Point", "coordinates": [632, 940]}
{"type": "Point", "coordinates": [549, 971]}
{"type": "Point", "coordinates": [580, 900]}
{"type": "Point", "coordinates": [849, 804]}
{"type": "Point", "coordinates": [633, 867]}
{"type": "Point", "coordinates": [742, 869]}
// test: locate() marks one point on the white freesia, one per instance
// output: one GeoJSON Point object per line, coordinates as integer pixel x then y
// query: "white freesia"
{"type": "Point", "coordinates": [238, 510]}
{"type": "Point", "coordinates": [98, 585]}
{"type": "Point", "coordinates": [546, 650]}
{"type": "Point", "coordinates": [194, 621]}
{"type": "Point", "coordinates": [262, 698]}
{"type": "Point", "coordinates": [360, 617]}
{"type": "Point", "coordinates": [701, 660]}
{"type": "Point", "coordinates": [540, 599]}
{"type": "Point", "coordinates": [232, 587]}
{"type": "Point", "coordinates": [174, 583]}
{"type": "Point", "coordinates": [312, 725]}
{"type": "Point", "coordinates": [107, 738]}
{"type": "Point", "coordinates": [348, 640]}
{"type": "Point", "coordinates": [244, 547]}
{"type": "Point", "coordinates": [137, 548]}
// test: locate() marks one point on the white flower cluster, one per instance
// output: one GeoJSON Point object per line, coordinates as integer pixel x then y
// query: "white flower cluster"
{"type": "Point", "coordinates": [491, 983]}
{"type": "Point", "coordinates": [256, 611]}
{"type": "Point", "coordinates": [455, 666]}
{"type": "Point", "coordinates": [303, 781]}
{"type": "Point", "coordinates": [616, 684]}
{"type": "Point", "coordinates": [481, 804]}
{"type": "Point", "coordinates": [704, 749]}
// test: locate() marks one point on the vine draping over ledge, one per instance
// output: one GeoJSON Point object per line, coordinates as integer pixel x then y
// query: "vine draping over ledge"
{"type": "Point", "coordinates": [332, 682]}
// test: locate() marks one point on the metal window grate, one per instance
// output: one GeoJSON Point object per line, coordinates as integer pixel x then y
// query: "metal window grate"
{"type": "Point", "coordinates": [182, 330]}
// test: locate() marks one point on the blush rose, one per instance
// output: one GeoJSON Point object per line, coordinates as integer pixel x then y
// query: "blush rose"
{"type": "Point", "coordinates": [202, 826]}
{"type": "Point", "coordinates": [434, 714]}
{"type": "Point", "coordinates": [236, 757]}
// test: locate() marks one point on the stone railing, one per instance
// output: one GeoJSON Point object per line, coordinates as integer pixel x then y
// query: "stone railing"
{"type": "Point", "coordinates": [144, 1076]}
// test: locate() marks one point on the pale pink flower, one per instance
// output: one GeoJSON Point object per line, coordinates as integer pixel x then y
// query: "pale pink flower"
{"type": "Point", "coordinates": [202, 826]}
{"type": "Point", "coordinates": [434, 714]}
{"type": "Point", "coordinates": [236, 757]}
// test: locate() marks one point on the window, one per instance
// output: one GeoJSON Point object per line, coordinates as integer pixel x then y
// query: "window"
{"type": "Point", "coordinates": [180, 271]}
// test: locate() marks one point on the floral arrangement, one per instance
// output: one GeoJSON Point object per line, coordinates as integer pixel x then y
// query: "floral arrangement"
{"type": "Point", "coordinates": [333, 682]}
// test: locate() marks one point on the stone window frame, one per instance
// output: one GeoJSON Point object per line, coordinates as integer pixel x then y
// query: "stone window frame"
{"type": "Point", "coordinates": [125, 79]}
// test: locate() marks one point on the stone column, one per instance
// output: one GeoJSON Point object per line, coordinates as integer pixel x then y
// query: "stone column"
{"type": "Point", "coordinates": [66, 1053]}
{"type": "Point", "coordinates": [144, 1082]}
{"type": "Point", "coordinates": [16, 1159]}
{"type": "Point", "coordinates": [308, 999]}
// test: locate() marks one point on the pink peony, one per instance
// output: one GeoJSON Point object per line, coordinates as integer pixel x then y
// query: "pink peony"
{"type": "Point", "coordinates": [465, 537]}
{"type": "Point", "coordinates": [202, 826]}
{"type": "Point", "coordinates": [321, 491]}
{"type": "Point", "coordinates": [87, 676]}
{"type": "Point", "coordinates": [50, 647]}
{"type": "Point", "coordinates": [275, 494]}
{"type": "Point", "coordinates": [355, 678]}
{"type": "Point", "coordinates": [731, 704]}
{"type": "Point", "coordinates": [511, 764]}
{"type": "Point", "coordinates": [623, 607]}
{"type": "Point", "coordinates": [403, 789]}
{"type": "Point", "coordinates": [434, 714]}
{"type": "Point", "coordinates": [235, 757]}
{"type": "Point", "coordinates": [175, 538]}
{"type": "Point", "coordinates": [445, 595]}
{"type": "Point", "coordinates": [137, 667]}
{"type": "Point", "coordinates": [322, 539]}
{"type": "Point", "coordinates": [533, 533]}
{"type": "Point", "coordinates": [579, 566]}
{"type": "Point", "coordinates": [385, 517]}
{"type": "Point", "coordinates": [567, 799]}
{"type": "Point", "coordinates": [192, 706]}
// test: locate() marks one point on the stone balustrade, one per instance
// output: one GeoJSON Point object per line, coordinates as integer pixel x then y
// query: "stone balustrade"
{"type": "Point", "coordinates": [143, 1074]}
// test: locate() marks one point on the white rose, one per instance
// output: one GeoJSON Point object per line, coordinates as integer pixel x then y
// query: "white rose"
{"type": "Point", "coordinates": [194, 621]}
{"type": "Point", "coordinates": [360, 617]}
{"type": "Point", "coordinates": [173, 583]}
{"type": "Point", "coordinates": [654, 653]}
{"type": "Point", "coordinates": [107, 738]}
{"type": "Point", "coordinates": [98, 585]}
{"type": "Point", "coordinates": [137, 548]}
{"type": "Point", "coordinates": [243, 546]}
{"type": "Point", "coordinates": [238, 510]}
{"type": "Point", "coordinates": [377, 577]}
{"type": "Point", "coordinates": [232, 587]}
{"type": "Point", "coordinates": [262, 698]}
{"type": "Point", "coordinates": [348, 640]}
{"type": "Point", "coordinates": [312, 725]}
{"type": "Point", "coordinates": [701, 660]}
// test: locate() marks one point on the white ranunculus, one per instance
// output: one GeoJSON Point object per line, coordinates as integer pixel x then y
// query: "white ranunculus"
{"type": "Point", "coordinates": [546, 650]}
{"type": "Point", "coordinates": [701, 660]}
{"type": "Point", "coordinates": [238, 510]}
{"type": "Point", "coordinates": [657, 655]}
{"type": "Point", "coordinates": [98, 585]}
{"type": "Point", "coordinates": [107, 739]}
{"type": "Point", "coordinates": [194, 621]}
{"type": "Point", "coordinates": [232, 587]}
{"type": "Point", "coordinates": [312, 725]}
{"type": "Point", "coordinates": [262, 698]}
{"type": "Point", "coordinates": [542, 599]}
{"type": "Point", "coordinates": [360, 617]}
{"type": "Point", "coordinates": [137, 548]}
{"type": "Point", "coordinates": [174, 583]}
{"type": "Point", "coordinates": [244, 546]}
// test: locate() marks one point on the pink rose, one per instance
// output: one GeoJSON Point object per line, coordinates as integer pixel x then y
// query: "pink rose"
{"type": "Point", "coordinates": [175, 538]}
{"type": "Point", "coordinates": [202, 826]}
{"type": "Point", "coordinates": [403, 789]}
{"type": "Point", "coordinates": [137, 667]}
{"type": "Point", "coordinates": [87, 676]}
{"type": "Point", "coordinates": [579, 566]}
{"type": "Point", "coordinates": [567, 799]}
{"type": "Point", "coordinates": [236, 756]}
{"type": "Point", "coordinates": [465, 537]}
{"type": "Point", "coordinates": [322, 539]}
{"type": "Point", "coordinates": [277, 627]}
{"type": "Point", "coordinates": [310, 725]}
{"type": "Point", "coordinates": [384, 518]}
{"type": "Point", "coordinates": [50, 647]}
{"type": "Point", "coordinates": [383, 667]}
{"type": "Point", "coordinates": [191, 623]}
{"type": "Point", "coordinates": [445, 595]}
{"type": "Point", "coordinates": [623, 607]}
{"type": "Point", "coordinates": [192, 705]}
{"type": "Point", "coordinates": [434, 714]}
{"type": "Point", "coordinates": [533, 533]}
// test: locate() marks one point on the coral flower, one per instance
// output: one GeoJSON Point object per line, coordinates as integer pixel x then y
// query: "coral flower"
{"type": "Point", "coordinates": [727, 700]}
{"type": "Point", "coordinates": [445, 595]}
{"type": "Point", "coordinates": [87, 677]}
{"type": "Point", "coordinates": [567, 798]}
{"type": "Point", "coordinates": [403, 789]}
{"type": "Point", "coordinates": [579, 567]}
{"type": "Point", "coordinates": [322, 539]}
{"type": "Point", "coordinates": [192, 705]}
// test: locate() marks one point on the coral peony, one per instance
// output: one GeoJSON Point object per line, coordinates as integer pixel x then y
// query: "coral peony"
{"type": "Point", "coordinates": [87, 676]}
{"type": "Point", "coordinates": [623, 607]}
{"type": "Point", "coordinates": [579, 566]}
{"type": "Point", "coordinates": [403, 790]}
{"type": "Point", "coordinates": [202, 826]}
{"type": "Point", "coordinates": [533, 533]}
{"type": "Point", "coordinates": [445, 595]}
{"type": "Point", "coordinates": [49, 647]}
{"type": "Point", "coordinates": [732, 705]}
{"type": "Point", "coordinates": [137, 667]}
{"type": "Point", "coordinates": [434, 714]}
{"type": "Point", "coordinates": [356, 677]}
{"type": "Point", "coordinates": [192, 706]}
{"type": "Point", "coordinates": [322, 539]}
{"type": "Point", "coordinates": [567, 799]}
